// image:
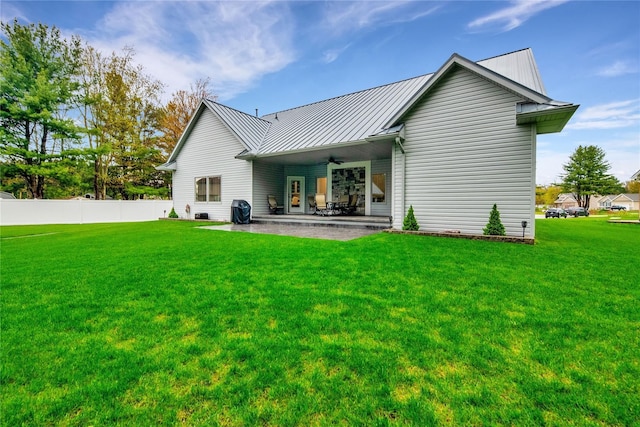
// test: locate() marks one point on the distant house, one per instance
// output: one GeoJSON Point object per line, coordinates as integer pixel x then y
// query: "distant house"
{"type": "Point", "coordinates": [565, 201]}
{"type": "Point", "coordinates": [450, 144]}
{"type": "Point", "coordinates": [629, 201]}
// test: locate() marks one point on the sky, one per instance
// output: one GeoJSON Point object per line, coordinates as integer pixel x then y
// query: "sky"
{"type": "Point", "coordinates": [276, 55]}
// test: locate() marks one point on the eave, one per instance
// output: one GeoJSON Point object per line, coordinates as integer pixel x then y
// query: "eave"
{"type": "Point", "coordinates": [548, 118]}
{"type": "Point", "coordinates": [169, 166]}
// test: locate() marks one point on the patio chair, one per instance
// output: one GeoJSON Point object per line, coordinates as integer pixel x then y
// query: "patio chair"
{"type": "Point", "coordinates": [312, 203]}
{"type": "Point", "coordinates": [322, 207]}
{"type": "Point", "coordinates": [274, 208]}
{"type": "Point", "coordinates": [352, 206]}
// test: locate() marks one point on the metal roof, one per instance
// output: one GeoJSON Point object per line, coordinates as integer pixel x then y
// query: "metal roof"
{"type": "Point", "coordinates": [249, 129]}
{"type": "Point", "coordinates": [352, 117]}
{"type": "Point", "coordinates": [375, 113]}
{"type": "Point", "coordinates": [519, 66]}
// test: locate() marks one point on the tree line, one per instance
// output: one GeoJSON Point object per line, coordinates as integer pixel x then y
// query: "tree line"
{"type": "Point", "coordinates": [75, 121]}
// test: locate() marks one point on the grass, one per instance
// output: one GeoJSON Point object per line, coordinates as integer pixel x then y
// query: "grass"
{"type": "Point", "coordinates": [162, 323]}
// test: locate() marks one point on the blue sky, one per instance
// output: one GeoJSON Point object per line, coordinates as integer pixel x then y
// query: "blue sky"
{"type": "Point", "coordinates": [276, 55]}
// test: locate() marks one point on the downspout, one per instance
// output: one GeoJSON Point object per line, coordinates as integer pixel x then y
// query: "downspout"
{"type": "Point", "coordinates": [402, 176]}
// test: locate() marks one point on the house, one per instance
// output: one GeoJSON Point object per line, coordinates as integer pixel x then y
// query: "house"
{"type": "Point", "coordinates": [451, 144]}
{"type": "Point", "coordinates": [629, 201]}
{"type": "Point", "coordinates": [565, 201]}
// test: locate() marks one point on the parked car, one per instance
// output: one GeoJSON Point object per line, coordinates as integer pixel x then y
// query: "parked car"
{"type": "Point", "coordinates": [618, 208]}
{"type": "Point", "coordinates": [577, 211]}
{"type": "Point", "coordinates": [555, 213]}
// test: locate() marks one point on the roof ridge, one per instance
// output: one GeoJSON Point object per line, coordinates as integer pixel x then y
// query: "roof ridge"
{"type": "Point", "coordinates": [237, 111]}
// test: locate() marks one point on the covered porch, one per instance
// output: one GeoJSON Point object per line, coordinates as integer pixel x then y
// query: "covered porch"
{"type": "Point", "coordinates": [360, 172]}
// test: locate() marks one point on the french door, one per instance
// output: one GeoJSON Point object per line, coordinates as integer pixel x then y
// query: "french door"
{"type": "Point", "coordinates": [295, 194]}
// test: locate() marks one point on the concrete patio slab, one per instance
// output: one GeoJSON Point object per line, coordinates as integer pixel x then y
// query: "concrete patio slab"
{"type": "Point", "coordinates": [327, 233]}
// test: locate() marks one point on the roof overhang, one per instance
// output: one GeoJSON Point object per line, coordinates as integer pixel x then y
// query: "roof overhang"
{"type": "Point", "coordinates": [548, 117]}
{"type": "Point", "coordinates": [169, 166]}
{"type": "Point", "coordinates": [366, 149]}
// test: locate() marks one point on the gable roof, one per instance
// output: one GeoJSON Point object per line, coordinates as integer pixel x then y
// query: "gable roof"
{"type": "Point", "coordinates": [373, 114]}
{"type": "Point", "coordinates": [633, 197]}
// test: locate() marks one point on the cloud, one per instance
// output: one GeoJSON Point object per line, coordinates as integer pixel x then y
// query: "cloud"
{"type": "Point", "coordinates": [233, 43]}
{"type": "Point", "coordinates": [9, 12]}
{"type": "Point", "coordinates": [608, 116]}
{"type": "Point", "coordinates": [332, 54]}
{"type": "Point", "coordinates": [515, 15]}
{"type": "Point", "coordinates": [618, 68]}
{"type": "Point", "coordinates": [342, 17]}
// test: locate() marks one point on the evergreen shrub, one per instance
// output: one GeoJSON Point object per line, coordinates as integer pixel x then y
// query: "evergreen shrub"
{"type": "Point", "coordinates": [494, 226]}
{"type": "Point", "coordinates": [410, 222]}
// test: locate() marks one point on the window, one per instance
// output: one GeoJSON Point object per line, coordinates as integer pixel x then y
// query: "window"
{"type": "Point", "coordinates": [208, 189]}
{"type": "Point", "coordinates": [378, 186]}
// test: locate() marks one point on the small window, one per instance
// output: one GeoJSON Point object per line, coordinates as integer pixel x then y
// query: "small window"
{"type": "Point", "coordinates": [378, 186]}
{"type": "Point", "coordinates": [208, 189]}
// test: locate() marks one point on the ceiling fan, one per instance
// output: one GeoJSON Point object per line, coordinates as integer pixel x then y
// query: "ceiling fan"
{"type": "Point", "coordinates": [334, 161]}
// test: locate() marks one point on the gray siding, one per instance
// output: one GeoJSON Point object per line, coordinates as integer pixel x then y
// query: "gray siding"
{"type": "Point", "coordinates": [464, 152]}
{"type": "Point", "coordinates": [210, 151]}
{"type": "Point", "coordinates": [267, 180]}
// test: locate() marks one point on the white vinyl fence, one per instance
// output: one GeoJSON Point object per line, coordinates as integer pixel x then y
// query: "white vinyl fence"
{"type": "Point", "coordinates": [83, 211]}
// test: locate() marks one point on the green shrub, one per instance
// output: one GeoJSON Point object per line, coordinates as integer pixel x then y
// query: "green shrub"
{"type": "Point", "coordinates": [494, 226]}
{"type": "Point", "coordinates": [173, 213]}
{"type": "Point", "coordinates": [410, 222]}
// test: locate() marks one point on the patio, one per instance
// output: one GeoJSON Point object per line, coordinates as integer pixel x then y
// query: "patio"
{"type": "Point", "coordinates": [311, 226]}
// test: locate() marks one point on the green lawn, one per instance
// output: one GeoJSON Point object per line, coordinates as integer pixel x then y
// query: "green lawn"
{"type": "Point", "coordinates": [162, 323]}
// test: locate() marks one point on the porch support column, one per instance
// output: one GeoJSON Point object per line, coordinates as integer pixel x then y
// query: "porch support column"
{"type": "Point", "coordinates": [398, 162]}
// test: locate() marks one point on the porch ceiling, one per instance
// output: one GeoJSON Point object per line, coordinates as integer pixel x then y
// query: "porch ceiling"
{"type": "Point", "coordinates": [345, 152]}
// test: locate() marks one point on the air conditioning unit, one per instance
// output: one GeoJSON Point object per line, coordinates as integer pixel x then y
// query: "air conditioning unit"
{"type": "Point", "coordinates": [202, 215]}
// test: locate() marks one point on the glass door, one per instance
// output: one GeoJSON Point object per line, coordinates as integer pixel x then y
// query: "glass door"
{"type": "Point", "coordinates": [295, 194]}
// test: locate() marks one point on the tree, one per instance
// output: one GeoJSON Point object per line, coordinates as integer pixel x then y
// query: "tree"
{"type": "Point", "coordinates": [546, 195]}
{"type": "Point", "coordinates": [38, 82]}
{"type": "Point", "coordinates": [632, 187]}
{"type": "Point", "coordinates": [586, 175]}
{"type": "Point", "coordinates": [121, 112]}
{"type": "Point", "coordinates": [494, 226]}
{"type": "Point", "coordinates": [178, 111]}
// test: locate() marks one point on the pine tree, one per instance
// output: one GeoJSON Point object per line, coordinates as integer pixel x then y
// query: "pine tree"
{"type": "Point", "coordinates": [410, 222]}
{"type": "Point", "coordinates": [494, 226]}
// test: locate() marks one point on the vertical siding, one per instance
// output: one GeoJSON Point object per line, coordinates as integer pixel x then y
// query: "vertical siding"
{"type": "Point", "coordinates": [464, 152]}
{"type": "Point", "coordinates": [267, 180]}
{"type": "Point", "coordinates": [210, 151]}
{"type": "Point", "coordinates": [382, 166]}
